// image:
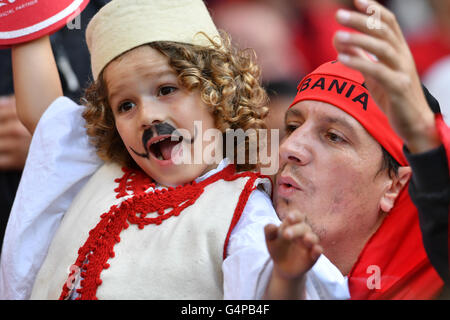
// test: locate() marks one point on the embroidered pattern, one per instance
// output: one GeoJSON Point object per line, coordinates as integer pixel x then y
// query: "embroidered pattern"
{"type": "Point", "coordinates": [163, 204]}
{"type": "Point", "coordinates": [134, 181]}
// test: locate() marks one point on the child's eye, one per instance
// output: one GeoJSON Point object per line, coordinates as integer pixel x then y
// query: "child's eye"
{"type": "Point", "coordinates": [125, 106]}
{"type": "Point", "coordinates": [166, 90]}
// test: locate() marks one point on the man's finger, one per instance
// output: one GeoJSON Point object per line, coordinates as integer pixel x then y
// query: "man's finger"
{"type": "Point", "coordinates": [380, 48]}
{"type": "Point", "coordinates": [362, 23]}
{"type": "Point", "coordinates": [376, 70]}
{"type": "Point", "coordinates": [378, 11]}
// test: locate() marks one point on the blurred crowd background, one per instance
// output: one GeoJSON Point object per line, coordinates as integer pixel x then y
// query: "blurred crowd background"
{"type": "Point", "coordinates": [290, 38]}
{"type": "Point", "coordinates": [293, 37]}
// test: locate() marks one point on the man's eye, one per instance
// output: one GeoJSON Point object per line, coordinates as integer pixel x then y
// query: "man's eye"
{"type": "Point", "coordinates": [166, 90]}
{"type": "Point", "coordinates": [290, 128]}
{"type": "Point", "coordinates": [333, 137]}
{"type": "Point", "coordinates": [125, 106]}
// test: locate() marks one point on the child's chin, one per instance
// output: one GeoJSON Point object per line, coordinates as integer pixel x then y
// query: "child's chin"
{"type": "Point", "coordinates": [179, 175]}
{"type": "Point", "coordinates": [173, 182]}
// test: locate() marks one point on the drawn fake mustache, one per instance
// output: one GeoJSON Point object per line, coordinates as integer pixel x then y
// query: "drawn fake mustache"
{"type": "Point", "coordinates": [160, 129]}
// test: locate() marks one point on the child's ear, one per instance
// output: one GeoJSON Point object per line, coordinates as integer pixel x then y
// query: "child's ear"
{"type": "Point", "coordinates": [397, 183]}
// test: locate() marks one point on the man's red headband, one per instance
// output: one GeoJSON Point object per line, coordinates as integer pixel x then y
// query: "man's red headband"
{"type": "Point", "coordinates": [343, 87]}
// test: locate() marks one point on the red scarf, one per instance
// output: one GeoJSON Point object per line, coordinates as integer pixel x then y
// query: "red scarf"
{"type": "Point", "coordinates": [393, 263]}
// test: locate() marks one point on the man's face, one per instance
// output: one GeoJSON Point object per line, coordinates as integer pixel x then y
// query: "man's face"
{"type": "Point", "coordinates": [148, 103]}
{"type": "Point", "coordinates": [328, 171]}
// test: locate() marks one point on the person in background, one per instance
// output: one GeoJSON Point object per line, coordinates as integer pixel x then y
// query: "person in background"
{"type": "Point", "coordinates": [14, 142]}
{"type": "Point", "coordinates": [282, 64]}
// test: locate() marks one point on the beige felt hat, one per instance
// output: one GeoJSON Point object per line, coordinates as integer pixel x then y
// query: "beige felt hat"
{"type": "Point", "coordinates": [122, 25]}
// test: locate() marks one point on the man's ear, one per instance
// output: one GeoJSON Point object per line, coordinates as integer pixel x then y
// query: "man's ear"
{"type": "Point", "coordinates": [397, 183]}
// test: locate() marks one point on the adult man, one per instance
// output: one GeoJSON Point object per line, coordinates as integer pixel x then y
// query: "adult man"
{"type": "Point", "coordinates": [343, 168]}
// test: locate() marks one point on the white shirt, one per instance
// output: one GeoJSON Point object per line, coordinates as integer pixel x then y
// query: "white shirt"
{"type": "Point", "coordinates": [61, 160]}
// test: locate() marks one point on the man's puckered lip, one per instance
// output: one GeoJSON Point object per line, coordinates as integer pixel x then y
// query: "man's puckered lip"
{"type": "Point", "coordinates": [288, 181]}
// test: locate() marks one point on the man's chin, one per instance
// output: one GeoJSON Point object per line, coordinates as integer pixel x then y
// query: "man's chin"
{"type": "Point", "coordinates": [281, 207]}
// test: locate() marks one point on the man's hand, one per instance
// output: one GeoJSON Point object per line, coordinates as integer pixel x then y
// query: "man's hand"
{"type": "Point", "coordinates": [294, 249]}
{"type": "Point", "coordinates": [14, 137]}
{"type": "Point", "coordinates": [392, 80]}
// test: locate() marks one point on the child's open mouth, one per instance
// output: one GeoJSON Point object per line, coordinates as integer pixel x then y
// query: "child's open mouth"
{"type": "Point", "coordinates": [162, 147]}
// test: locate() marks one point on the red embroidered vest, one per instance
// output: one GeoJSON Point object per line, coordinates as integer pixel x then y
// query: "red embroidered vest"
{"type": "Point", "coordinates": [126, 240]}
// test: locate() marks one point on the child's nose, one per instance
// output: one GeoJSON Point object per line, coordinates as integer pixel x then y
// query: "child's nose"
{"type": "Point", "coordinates": [151, 113]}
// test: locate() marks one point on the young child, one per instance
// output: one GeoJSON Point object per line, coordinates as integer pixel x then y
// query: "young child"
{"type": "Point", "coordinates": [139, 225]}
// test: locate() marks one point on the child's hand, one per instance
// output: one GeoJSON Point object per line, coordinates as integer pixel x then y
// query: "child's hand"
{"type": "Point", "coordinates": [293, 246]}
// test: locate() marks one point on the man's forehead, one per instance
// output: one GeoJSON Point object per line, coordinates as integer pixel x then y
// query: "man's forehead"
{"type": "Point", "coordinates": [324, 111]}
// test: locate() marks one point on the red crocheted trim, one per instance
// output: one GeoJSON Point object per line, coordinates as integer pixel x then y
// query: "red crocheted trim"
{"type": "Point", "coordinates": [134, 181]}
{"type": "Point", "coordinates": [243, 198]}
{"type": "Point", "coordinates": [98, 248]}
{"type": "Point", "coordinates": [250, 186]}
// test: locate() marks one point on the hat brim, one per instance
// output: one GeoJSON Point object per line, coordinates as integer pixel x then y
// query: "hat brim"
{"type": "Point", "coordinates": [23, 21]}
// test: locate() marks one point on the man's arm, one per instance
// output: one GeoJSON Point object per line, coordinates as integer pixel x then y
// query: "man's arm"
{"type": "Point", "coordinates": [393, 80]}
{"type": "Point", "coordinates": [36, 80]}
{"type": "Point", "coordinates": [430, 192]}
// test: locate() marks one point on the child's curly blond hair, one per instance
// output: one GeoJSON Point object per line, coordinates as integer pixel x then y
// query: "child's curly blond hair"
{"type": "Point", "coordinates": [228, 80]}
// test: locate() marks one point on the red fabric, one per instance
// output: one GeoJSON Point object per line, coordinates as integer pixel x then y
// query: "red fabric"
{"type": "Point", "coordinates": [20, 19]}
{"type": "Point", "coordinates": [395, 252]}
{"type": "Point", "coordinates": [243, 198]}
{"type": "Point", "coordinates": [314, 33]}
{"type": "Point", "coordinates": [396, 249]}
{"type": "Point", "coordinates": [428, 47]}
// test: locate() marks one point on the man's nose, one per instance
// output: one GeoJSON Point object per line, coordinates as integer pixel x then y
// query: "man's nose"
{"type": "Point", "coordinates": [296, 148]}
